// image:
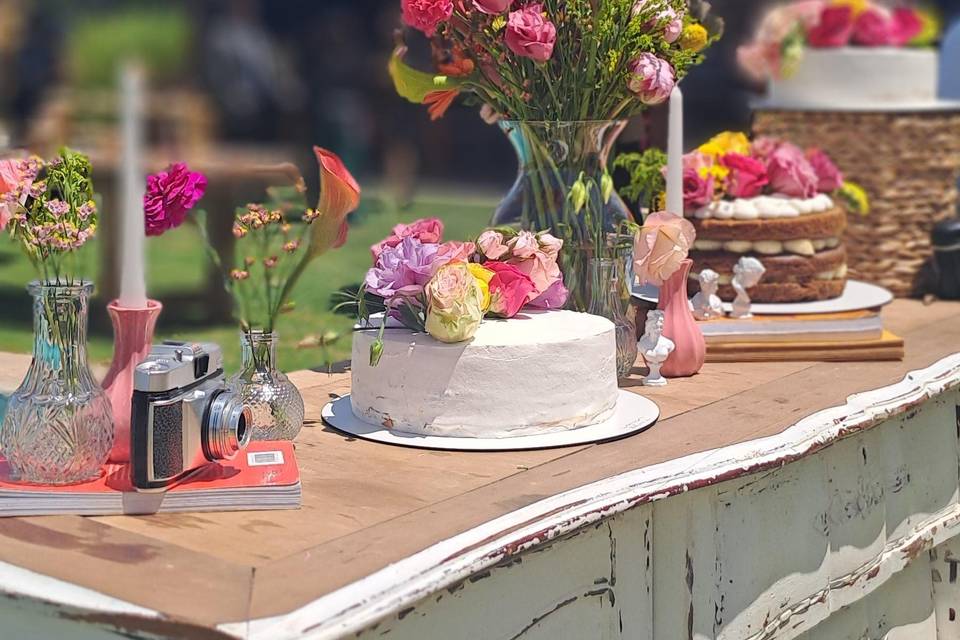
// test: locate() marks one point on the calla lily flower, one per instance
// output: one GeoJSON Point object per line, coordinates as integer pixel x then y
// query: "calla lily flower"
{"type": "Point", "coordinates": [339, 195]}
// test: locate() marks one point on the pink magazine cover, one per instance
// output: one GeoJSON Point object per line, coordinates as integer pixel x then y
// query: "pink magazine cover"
{"type": "Point", "coordinates": [262, 466]}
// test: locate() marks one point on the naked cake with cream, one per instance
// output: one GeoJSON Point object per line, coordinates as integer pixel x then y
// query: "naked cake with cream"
{"type": "Point", "coordinates": [773, 201]}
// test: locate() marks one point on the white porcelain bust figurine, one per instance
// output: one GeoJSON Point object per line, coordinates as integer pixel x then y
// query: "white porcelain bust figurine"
{"type": "Point", "coordinates": [706, 303]}
{"type": "Point", "coordinates": [655, 348]}
{"type": "Point", "coordinates": [746, 273]}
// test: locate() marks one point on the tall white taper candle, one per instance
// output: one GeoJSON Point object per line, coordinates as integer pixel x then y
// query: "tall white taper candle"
{"type": "Point", "coordinates": [133, 288]}
{"type": "Point", "coordinates": [675, 154]}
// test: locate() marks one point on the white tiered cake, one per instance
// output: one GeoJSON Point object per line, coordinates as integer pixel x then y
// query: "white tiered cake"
{"type": "Point", "coordinates": [539, 372]}
{"type": "Point", "coordinates": [859, 78]}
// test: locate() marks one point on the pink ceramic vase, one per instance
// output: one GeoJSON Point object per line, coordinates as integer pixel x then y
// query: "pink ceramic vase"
{"type": "Point", "coordinates": [680, 326]}
{"type": "Point", "coordinates": [132, 338]}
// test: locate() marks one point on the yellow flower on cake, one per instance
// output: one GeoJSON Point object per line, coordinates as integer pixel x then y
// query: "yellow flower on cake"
{"type": "Point", "coordinates": [483, 276]}
{"type": "Point", "coordinates": [855, 197]}
{"type": "Point", "coordinates": [454, 303]}
{"type": "Point", "coordinates": [857, 6]}
{"type": "Point", "coordinates": [726, 142]}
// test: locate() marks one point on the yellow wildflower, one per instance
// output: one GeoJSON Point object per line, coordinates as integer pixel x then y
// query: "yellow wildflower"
{"type": "Point", "coordinates": [858, 6]}
{"type": "Point", "coordinates": [718, 171]}
{"type": "Point", "coordinates": [855, 197]}
{"type": "Point", "coordinates": [694, 37]}
{"type": "Point", "coordinates": [483, 277]}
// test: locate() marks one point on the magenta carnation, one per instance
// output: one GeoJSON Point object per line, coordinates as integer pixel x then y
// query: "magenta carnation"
{"type": "Point", "coordinates": [529, 34]}
{"type": "Point", "coordinates": [425, 15]}
{"type": "Point", "coordinates": [170, 195]}
{"type": "Point", "coordinates": [747, 175]}
{"type": "Point", "coordinates": [829, 177]}
{"type": "Point", "coordinates": [791, 173]}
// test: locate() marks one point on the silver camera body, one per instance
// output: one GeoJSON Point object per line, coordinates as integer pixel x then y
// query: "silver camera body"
{"type": "Point", "coordinates": [183, 417]}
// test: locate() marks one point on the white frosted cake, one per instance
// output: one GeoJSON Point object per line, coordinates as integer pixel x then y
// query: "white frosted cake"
{"type": "Point", "coordinates": [539, 372]}
{"type": "Point", "coordinates": [859, 78]}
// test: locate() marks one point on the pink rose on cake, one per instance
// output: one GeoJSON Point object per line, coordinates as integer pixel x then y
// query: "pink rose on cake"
{"type": "Point", "coordinates": [834, 29]}
{"type": "Point", "coordinates": [509, 288]}
{"type": "Point", "coordinates": [426, 230]}
{"type": "Point", "coordinates": [790, 173]}
{"type": "Point", "coordinates": [662, 243]}
{"type": "Point", "coordinates": [697, 189]}
{"type": "Point", "coordinates": [747, 177]}
{"type": "Point", "coordinates": [454, 302]}
{"type": "Point", "coordinates": [829, 177]}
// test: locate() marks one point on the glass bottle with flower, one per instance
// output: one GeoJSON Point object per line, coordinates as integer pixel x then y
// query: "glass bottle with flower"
{"type": "Point", "coordinates": [561, 77]}
{"type": "Point", "coordinates": [273, 249]}
{"type": "Point", "coordinates": [58, 428]}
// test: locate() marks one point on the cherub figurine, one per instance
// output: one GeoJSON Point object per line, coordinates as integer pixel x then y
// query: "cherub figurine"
{"type": "Point", "coordinates": [706, 303]}
{"type": "Point", "coordinates": [655, 348]}
{"type": "Point", "coordinates": [746, 274]}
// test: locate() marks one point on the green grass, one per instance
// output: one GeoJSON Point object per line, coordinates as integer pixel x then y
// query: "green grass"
{"type": "Point", "coordinates": [177, 265]}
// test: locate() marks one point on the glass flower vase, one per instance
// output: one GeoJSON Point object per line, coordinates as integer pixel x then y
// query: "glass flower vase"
{"type": "Point", "coordinates": [610, 297]}
{"type": "Point", "coordinates": [275, 402]}
{"type": "Point", "coordinates": [59, 425]}
{"type": "Point", "coordinates": [563, 186]}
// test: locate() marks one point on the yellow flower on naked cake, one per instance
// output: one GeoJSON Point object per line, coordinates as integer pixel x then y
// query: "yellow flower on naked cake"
{"type": "Point", "coordinates": [469, 340]}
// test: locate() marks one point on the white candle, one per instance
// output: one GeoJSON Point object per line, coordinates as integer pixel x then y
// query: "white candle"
{"type": "Point", "coordinates": [675, 154]}
{"type": "Point", "coordinates": [133, 288]}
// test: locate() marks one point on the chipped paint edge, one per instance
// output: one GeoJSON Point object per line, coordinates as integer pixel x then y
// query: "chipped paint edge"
{"type": "Point", "coordinates": [368, 600]}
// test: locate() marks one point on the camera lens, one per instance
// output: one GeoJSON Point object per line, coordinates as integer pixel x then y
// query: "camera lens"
{"type": "Point", "coordinates": [228, 427]}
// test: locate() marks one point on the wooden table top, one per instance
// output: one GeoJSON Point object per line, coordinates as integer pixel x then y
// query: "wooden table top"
{"type": "Point", "coordinates": [367, 505]}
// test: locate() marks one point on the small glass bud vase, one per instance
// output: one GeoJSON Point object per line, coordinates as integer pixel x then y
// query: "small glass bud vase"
{"type": "Point", "coordinates": [275, 402]}
{"type": "Point", "coordinates": [610, 298]}
{"type": "Point", "coordinates": [59, 425]}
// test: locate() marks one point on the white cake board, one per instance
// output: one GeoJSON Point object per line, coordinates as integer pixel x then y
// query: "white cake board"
{"type": "Point", "coordinates": [856, 297]}
{"type": "Point", "coordinates": [633, 414]}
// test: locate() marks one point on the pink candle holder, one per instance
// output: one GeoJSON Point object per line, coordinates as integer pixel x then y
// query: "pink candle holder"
{"type": "Point", "coordinates": [132, 338]}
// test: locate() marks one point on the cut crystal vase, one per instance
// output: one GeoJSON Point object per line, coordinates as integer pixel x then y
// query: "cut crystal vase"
{"type": "Point", "coordinates": [275, 402]}
{"type": "Point", "coordinates": [59, 425]}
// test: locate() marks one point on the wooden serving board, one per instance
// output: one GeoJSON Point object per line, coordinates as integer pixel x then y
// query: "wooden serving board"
{"type": "Point", "coordinates": [887, 347]}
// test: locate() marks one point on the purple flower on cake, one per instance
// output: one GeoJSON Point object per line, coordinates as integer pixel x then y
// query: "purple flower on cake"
{"type": "Point", "coordinates": [698, 190]}
{"type": "Point", "coordinates": [529, 34]}
{"type": "Point", "coordinates": [651, 79]}
{"type": "Point", "coordinates": [426, 230]}
{"type": "Point", "coordinates": [747, 177]}
{"type": "Point", "coordinates": [402, 270]}
{"type": "Point", "coordinates": [170, 195]}
{"type": "Point", "coordinates": [790, 173]}
{"type": "Point", "coordinates": [553, 298]}
{"type": "Point", "coordinates": [829, 177]}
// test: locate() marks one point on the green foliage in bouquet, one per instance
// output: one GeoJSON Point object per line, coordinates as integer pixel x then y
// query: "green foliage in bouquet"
{"type": "Point", "coordinates": [646, 179]}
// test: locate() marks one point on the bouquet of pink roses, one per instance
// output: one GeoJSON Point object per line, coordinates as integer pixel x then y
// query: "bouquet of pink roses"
{"type": "Point", "coordinates": [447, 288]}
{"type": "Point", "coordinates": [786, 30]}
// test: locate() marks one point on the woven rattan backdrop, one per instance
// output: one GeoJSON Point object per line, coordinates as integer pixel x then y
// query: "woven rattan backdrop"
{"type": "Point", "coordinates": [909, 164]}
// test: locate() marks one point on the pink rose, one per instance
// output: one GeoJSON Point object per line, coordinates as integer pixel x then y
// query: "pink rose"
{"type": "Point", "coordinates": [425, 15]}
{"type": "Point", "coordinates": [907, 25]}
{"type": "Point", "coordinates": [760, 60]}
{"type": "Point", "coordinates": [529, 34]}
{"type": "Point", "coordinates": [790, 173]}
{"type": "Point", "coordinates": [426, 230]}
{"type": "Point", "coordinates": [829, 177]}
{"type": "Point", "coordinates": [454, 251]}
{"type": "Point", "coordinates": [873, 28]}
{"type": "Point", "coordinates": [764, 146]}
{"type": "Point", "coordinates": [834, 29]}
{"type": "Point", "coordinates": [550, 245]}
{"type": "Point", "coordinates": [524, 245]}
{"type": "Point", "coordinates": [509, 288]}
{"type": "Point", "coordinates": [491, 244]}
{"type": "Point", "coordinates": [553, 298]}
{"type": "Point", "coordinates": [492, 7]}
{"type": "Point", "coordinates": [10, 180]}
{"type": "Point", "coordinates": [662, 243]}
{"type": "Point", "coordinates": [697, 190]}
{"type": "Point", "coordinates": [170, 195]}
{"type": "Point", "coordinates": [747, 175]}
{"type": "Point", "coordinates": [651, 79]}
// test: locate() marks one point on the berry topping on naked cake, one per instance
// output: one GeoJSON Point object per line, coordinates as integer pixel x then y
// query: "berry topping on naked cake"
{"type": "Point", "coordinates": [771, 200]}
